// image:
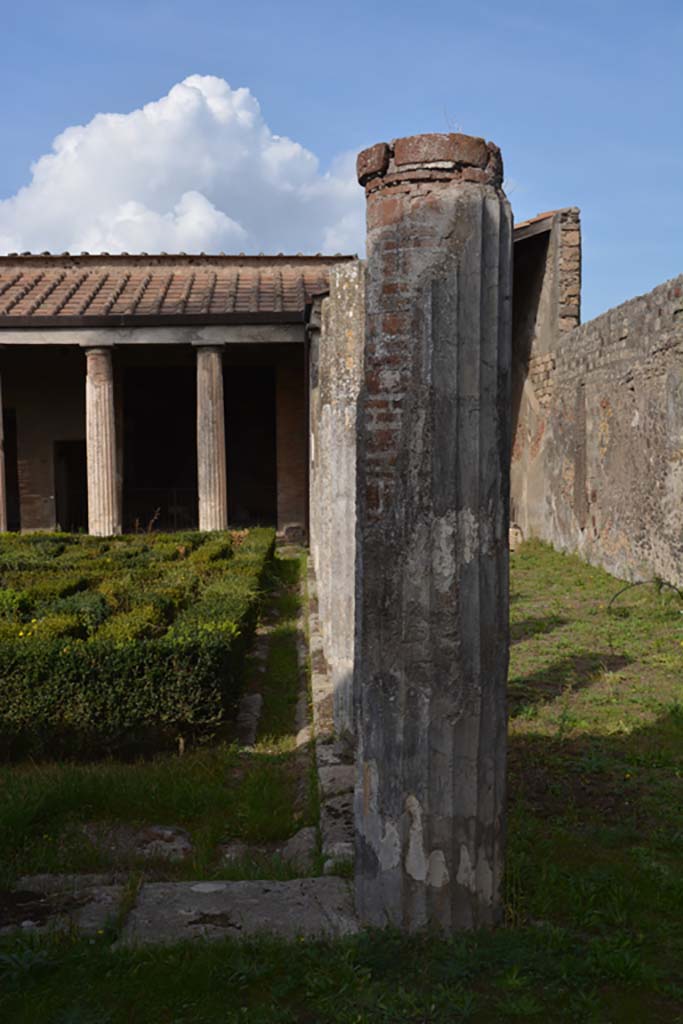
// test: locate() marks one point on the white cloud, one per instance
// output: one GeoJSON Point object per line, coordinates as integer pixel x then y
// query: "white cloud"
{"type": "Point", "coordinates": [198, 170]}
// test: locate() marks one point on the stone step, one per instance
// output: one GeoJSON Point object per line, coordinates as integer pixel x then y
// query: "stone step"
{"type": "Point", "coordinates": [305, 907]}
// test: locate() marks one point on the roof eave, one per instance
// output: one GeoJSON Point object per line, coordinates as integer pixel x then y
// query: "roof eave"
{"type": "Point", "coordinates": [154, 320]}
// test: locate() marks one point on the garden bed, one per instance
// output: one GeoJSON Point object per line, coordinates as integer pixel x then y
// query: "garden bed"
{"type": "Point", "coordinates": [218, 811]}
{"type": "Point", "coordinates": [125, 643]}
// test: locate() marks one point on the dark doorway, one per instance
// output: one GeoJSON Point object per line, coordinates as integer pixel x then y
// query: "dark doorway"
{"type": "Point", "coordinates": [159, 449]}
{"type": "Point", "coordinates": [9, 425]}
{"type": "Point", "coordinates": [250, 438]}
{"type": "Point", "coordinates": [530, 259]}
{"type": "Point", "coordinates": [71, 486]}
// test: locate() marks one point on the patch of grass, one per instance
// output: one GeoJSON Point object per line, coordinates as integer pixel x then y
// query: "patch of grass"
{"type": "Point", "coordinates": [45, 805]}
{"type": "Point", "coordinates": [282, 682]}
{"type": "Point", "coordinates": [374, 977]}
{"type": "Point", "coordinates": [596, 774]}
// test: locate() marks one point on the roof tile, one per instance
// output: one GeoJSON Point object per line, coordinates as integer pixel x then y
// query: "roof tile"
{"type": "Point", "coordinates": [55, 290]}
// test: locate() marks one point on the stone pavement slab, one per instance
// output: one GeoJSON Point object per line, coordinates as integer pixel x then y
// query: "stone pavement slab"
{"type": "Point", "coordinates": [43, 903]}
{"type": "Point", "coordinates": [173, 911]}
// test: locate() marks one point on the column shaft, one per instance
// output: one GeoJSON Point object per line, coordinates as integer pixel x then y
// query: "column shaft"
{"type": "Point", "coordinates": [211, 462]}
{"type": "Point", "coordinates": [432, 570]}
{"type": "Point", "coordinates": [104, 513]}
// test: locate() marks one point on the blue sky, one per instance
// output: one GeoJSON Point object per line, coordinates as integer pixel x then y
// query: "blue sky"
{"type": "Point", "coordinates": [583, 98]}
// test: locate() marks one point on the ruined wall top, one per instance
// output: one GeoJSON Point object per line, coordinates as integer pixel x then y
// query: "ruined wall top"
{"type": "Point", "coordinates": [433, 157]}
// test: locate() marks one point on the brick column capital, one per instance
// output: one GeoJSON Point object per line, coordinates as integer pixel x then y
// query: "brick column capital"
{"type": "Point", "coordinates": [432, 157]}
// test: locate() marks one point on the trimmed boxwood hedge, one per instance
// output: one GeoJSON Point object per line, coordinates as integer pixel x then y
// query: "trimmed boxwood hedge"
{"type": "Point", "coordinates": [126, 643]}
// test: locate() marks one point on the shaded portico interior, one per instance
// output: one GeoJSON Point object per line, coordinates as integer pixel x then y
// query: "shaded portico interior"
{"type": "Point", "coordinates": [155, 399]}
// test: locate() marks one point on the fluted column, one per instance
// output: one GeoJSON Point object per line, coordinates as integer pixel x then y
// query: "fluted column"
{"type": "Point", "coordinates": [211, 468]}
{"type": "Point", "coordinates": [432, 564]}
{"type": "Point", "coordinates": [104, 513]}
{"type": "Point", "coordinates": [3, 477]}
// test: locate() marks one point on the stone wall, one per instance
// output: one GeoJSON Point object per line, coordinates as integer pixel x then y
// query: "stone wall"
{"type": "Point", "coordinates": [546, 305]}
{"type": "Point", "coordinates": [598, 455]}
{"type": "Point", "coordinates": [336, 357]}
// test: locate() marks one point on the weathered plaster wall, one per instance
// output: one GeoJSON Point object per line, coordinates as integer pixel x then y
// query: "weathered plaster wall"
{"type": "Point", "coordinates": [336, 372]}
{"type": "Point", "coordinates": [598, 456]}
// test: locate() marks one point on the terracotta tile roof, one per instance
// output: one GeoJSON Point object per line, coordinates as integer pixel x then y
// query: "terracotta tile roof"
{"type": "Point", "coordinates": [103, 290]}
{"type": "Point", "coordinates": [537, 218]}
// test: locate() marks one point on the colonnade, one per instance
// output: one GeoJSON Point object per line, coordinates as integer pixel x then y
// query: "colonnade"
{"type": "Point", "coordinates": [104, 501]}
{"type": "Point", "coordinates": [104, 495]}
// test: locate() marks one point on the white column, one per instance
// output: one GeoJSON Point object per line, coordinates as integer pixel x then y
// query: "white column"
{"type": "Point", "coordinates": [104, 515]}
{"type": "Point", "coordinates": [211, 463]}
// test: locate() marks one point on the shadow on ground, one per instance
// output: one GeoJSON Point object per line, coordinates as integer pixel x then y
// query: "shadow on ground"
{"type": "Point", "coordinates": [527, 628]}
{"type": "Point", "coordinates": [575, 672]}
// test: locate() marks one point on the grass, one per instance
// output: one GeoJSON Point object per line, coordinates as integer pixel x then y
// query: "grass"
{"type": "Point", "coordinates": [282, 668]}
{"type": "Point", "coordinates": [594, 887]}
{"type": "Point", "coordinates": [217, 792]}
{"type": "Point", "coordinates": [596, 776]}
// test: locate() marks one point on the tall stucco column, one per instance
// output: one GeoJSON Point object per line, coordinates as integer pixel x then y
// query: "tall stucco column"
{"type": "Point", "coordinates": [432, 563]}
{"type": "Point", "coordinates": [211, 463]}
{"type": "Point", "coordinates": [3, 478]}
{"type": "Point", "coordinates": [104, 512]}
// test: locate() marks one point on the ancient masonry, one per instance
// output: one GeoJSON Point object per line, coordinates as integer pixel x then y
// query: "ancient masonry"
{"type": "Point", "coordinates": [597, 416]}
{"type": "Point", "coordinates": [431, 599]}
{"type": "Point", "coordinates": [337, 334]}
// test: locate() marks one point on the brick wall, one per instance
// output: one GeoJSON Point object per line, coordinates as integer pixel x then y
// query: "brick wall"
{"type": "Point", "coordinates": [568, 256]}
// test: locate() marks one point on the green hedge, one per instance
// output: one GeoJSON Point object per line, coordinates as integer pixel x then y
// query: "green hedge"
{"type": "Point", "coordinates": [143, 646]}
